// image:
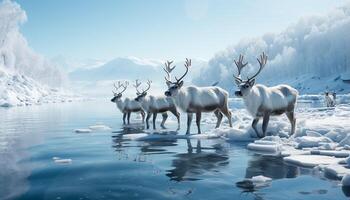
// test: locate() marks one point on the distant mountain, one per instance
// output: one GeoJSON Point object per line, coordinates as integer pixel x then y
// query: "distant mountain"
{"type": "Point", "coordinates": [119, 68]}
{"type": "Point", "coordinates": [99, 80]}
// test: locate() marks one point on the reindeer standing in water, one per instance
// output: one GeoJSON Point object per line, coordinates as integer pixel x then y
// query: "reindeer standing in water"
{"type": "Point", "coordinates": [153, 105]}
{"type": "Point", "coordinates": [127, 105]}
{"type": "Point", "coordinates": [192, 99]}
{"type": "Point", "coordinates": [262, 101]}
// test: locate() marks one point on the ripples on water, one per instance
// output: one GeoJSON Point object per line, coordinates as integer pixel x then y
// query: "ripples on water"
{"type": "Point", "coordinates": [105, 165]}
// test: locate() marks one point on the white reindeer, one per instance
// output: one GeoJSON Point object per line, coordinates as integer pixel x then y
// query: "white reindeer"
{"type": "Point", "coordinates": [127, 105]}
{"type": "Point", "coordinates": [263, 101]}
{"type": "Point", "coordinates": [153, 105]}
{"type": "Point", "coordinates": [192, 99]}
{"type": "Point", "coordinates": [330, 99]}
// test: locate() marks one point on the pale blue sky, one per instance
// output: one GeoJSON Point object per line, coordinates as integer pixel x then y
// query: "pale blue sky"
{"type": "Point", "coordinates": [158, 29]}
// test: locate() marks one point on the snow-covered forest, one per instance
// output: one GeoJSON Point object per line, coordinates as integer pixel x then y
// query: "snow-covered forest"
{"type": "Point", "coordinates": [312, 55]}
{"type": "Point", "coordinates": [26, 76]}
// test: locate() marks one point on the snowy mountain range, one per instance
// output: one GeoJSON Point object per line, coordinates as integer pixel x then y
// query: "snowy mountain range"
{"type": "Point", "coordinates": [98, 80]}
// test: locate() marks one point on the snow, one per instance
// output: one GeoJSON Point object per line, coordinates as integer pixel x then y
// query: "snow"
{"type": "Point", "coordinates": [311, 160]}
{"type": "Point", "coordinates": [20, 90]}
{"type": "Point", "coordinates": [310, 55]}
{"type": "Point", "coordinates": [26, 77]}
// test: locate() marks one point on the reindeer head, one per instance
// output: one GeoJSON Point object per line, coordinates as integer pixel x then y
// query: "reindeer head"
{"type": "Point", "coordinates": [118, 95]}
{"type": "Point", "coordinates": [173, 87]}
{"type": "Point", "coordinates": [141, 95]}
{"type": "Point", "coordinates": [245, 85]}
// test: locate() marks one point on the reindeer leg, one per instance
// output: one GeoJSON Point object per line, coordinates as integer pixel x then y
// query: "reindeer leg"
{"type": "Point", "coordinates": [143, 116]}
{"type": "Point", "coordinates": [165, 116]}
{"type": "Point", "coordinates": [255, 122]}
{"type": "Point", "coordinates": [177, 115]}
{"type": "Point", "coordinates": [189, 120]}
{"type": "Point", "coordinates": [218, 115]}
{"type": "Point", "coordinates": [154, 120]}
{"type": "Point", "coordinates": [227, 113]}
{"type": "Point", "coordinates": [198, 121]}
{"type": "Point", "coordinates": [124, 117]}
{"type": "Point", "coordinates": [291, 117]}
{"type": "Point", "coordinates": [147, 119]}
{"type": "Point", "coordinates": [129, 113]}
{"type": "Point", "coordinates": [265, 123]}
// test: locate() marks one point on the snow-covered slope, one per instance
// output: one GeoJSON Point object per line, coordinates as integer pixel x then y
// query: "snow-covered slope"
{"type": "Point", "coordinates": [19, 90]}
{"type": "Point", "coordinates": [25, 76]}
{"type": "Point", "coordinates": [312, 54]}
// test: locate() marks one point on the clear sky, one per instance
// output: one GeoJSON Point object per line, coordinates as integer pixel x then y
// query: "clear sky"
{"type": "Point", "coordinates": [158, 29]}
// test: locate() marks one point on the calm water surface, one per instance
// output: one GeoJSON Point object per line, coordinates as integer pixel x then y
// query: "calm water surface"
{"type": "Point", "coordinates": [107, 166]}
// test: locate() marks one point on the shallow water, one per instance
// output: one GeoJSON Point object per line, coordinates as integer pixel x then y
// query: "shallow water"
{"type": "Point", "coordinates": [106, 165]}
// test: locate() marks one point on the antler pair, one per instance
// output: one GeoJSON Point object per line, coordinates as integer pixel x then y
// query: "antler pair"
{"type": "Point", "coordinates": [240, 65]}
{"type": "Point", "coordinates": [168, 69]}
{"type": "Point", "coordinates": [120, 85]}
{"type": "Point", "coordinates": [137, 85]}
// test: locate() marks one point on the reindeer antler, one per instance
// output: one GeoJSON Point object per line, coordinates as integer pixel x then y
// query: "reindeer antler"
{"type": "Point", "coordinates": [262, 62]}
{"type": "Point", "coordinates": [136, 85]}
{"type": "Point", "coordinates": [187, 64]}
{"type": "Point", "coordinates": [168, 69]}
{"type": "Point", "coordinates": [240, 65]}
{"type": "Point", "coordinates": [120, 84]}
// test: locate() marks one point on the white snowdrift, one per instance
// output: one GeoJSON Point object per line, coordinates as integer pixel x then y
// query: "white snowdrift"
{"type": "Point", "coordinates": [20, 90]}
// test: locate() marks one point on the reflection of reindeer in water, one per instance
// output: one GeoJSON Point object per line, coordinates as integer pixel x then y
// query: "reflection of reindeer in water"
{"type": "Point", "coordinates": [270, 166]}
{"type": "Point", "coordinates": [187, 166]}
{"type": "Point", "coordinates": [330, 99]}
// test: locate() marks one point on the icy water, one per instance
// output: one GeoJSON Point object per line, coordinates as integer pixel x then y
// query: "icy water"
{"type": "Point", "coordinates": [106, 165]}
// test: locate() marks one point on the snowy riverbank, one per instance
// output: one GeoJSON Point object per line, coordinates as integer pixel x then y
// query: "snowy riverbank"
{"type": "Point", "coordinates": [19, 90]}
{"type": "Point", "coordinates": [321, 141]}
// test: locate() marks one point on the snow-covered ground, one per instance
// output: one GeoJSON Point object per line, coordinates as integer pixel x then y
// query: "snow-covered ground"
{"type": "Point", "coordinates": [20, 90]}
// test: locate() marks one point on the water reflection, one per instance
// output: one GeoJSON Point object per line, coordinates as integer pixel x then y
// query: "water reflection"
{"type": "Point", "coordinates": [270, 166]}
{"type": "Point", "coordinates": [188, 166]}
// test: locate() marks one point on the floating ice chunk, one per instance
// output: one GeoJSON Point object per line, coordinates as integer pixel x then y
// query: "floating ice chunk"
{"type": "Point", "coordinates": [83, 130]}
{"type": "Point", "coordinates": [260, 179]}
{"type": "Point", "coordinates": [254, 182]}
{"type": "Point", "coordinates": [271, 144]}
{"type": "Point", "coordinates": [336, 136]}
{"type": "Point", "coordinates": [338, 154]}
{"type": "Point", "coordinates": [345, 181]}
{"type": "Point", "coordinates": [313, 133]}
{"type": "Point", "coordinates": [308, 141]}
{"type": "Point", "coordinates": [311, 160]}
{"type": "Point", "coordinates": [100, 127]}
{"type": "Point", "coordinates": [345, 141]}
{"type": "Point", "coordinates": [233, 134]}
{"type": "Point", "coordinates": [62, 161]}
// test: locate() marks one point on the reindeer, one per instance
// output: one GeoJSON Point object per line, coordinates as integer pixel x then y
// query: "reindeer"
{"type": "Point", "coordinates": [263, 101]}
{"type": "Point", "coordinates": [330, 99]}
{"type": "Point", "coordinates": [127, 105]}
{"type": "Point", "coordinates": [192, 99]}
{"type": "Point", "coordinates": [154, 105]}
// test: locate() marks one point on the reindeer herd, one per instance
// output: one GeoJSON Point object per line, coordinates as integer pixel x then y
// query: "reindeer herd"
{"type": "Point", "coordinates": [260, 101]}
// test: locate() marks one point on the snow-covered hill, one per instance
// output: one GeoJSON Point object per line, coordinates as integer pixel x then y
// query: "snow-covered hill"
{"type": "Point", "coordinates": [26, 77]}
{"type": "Point", "coordinates": [19, 90]}
{"type": "Point", "coordinates": [312, 55]}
